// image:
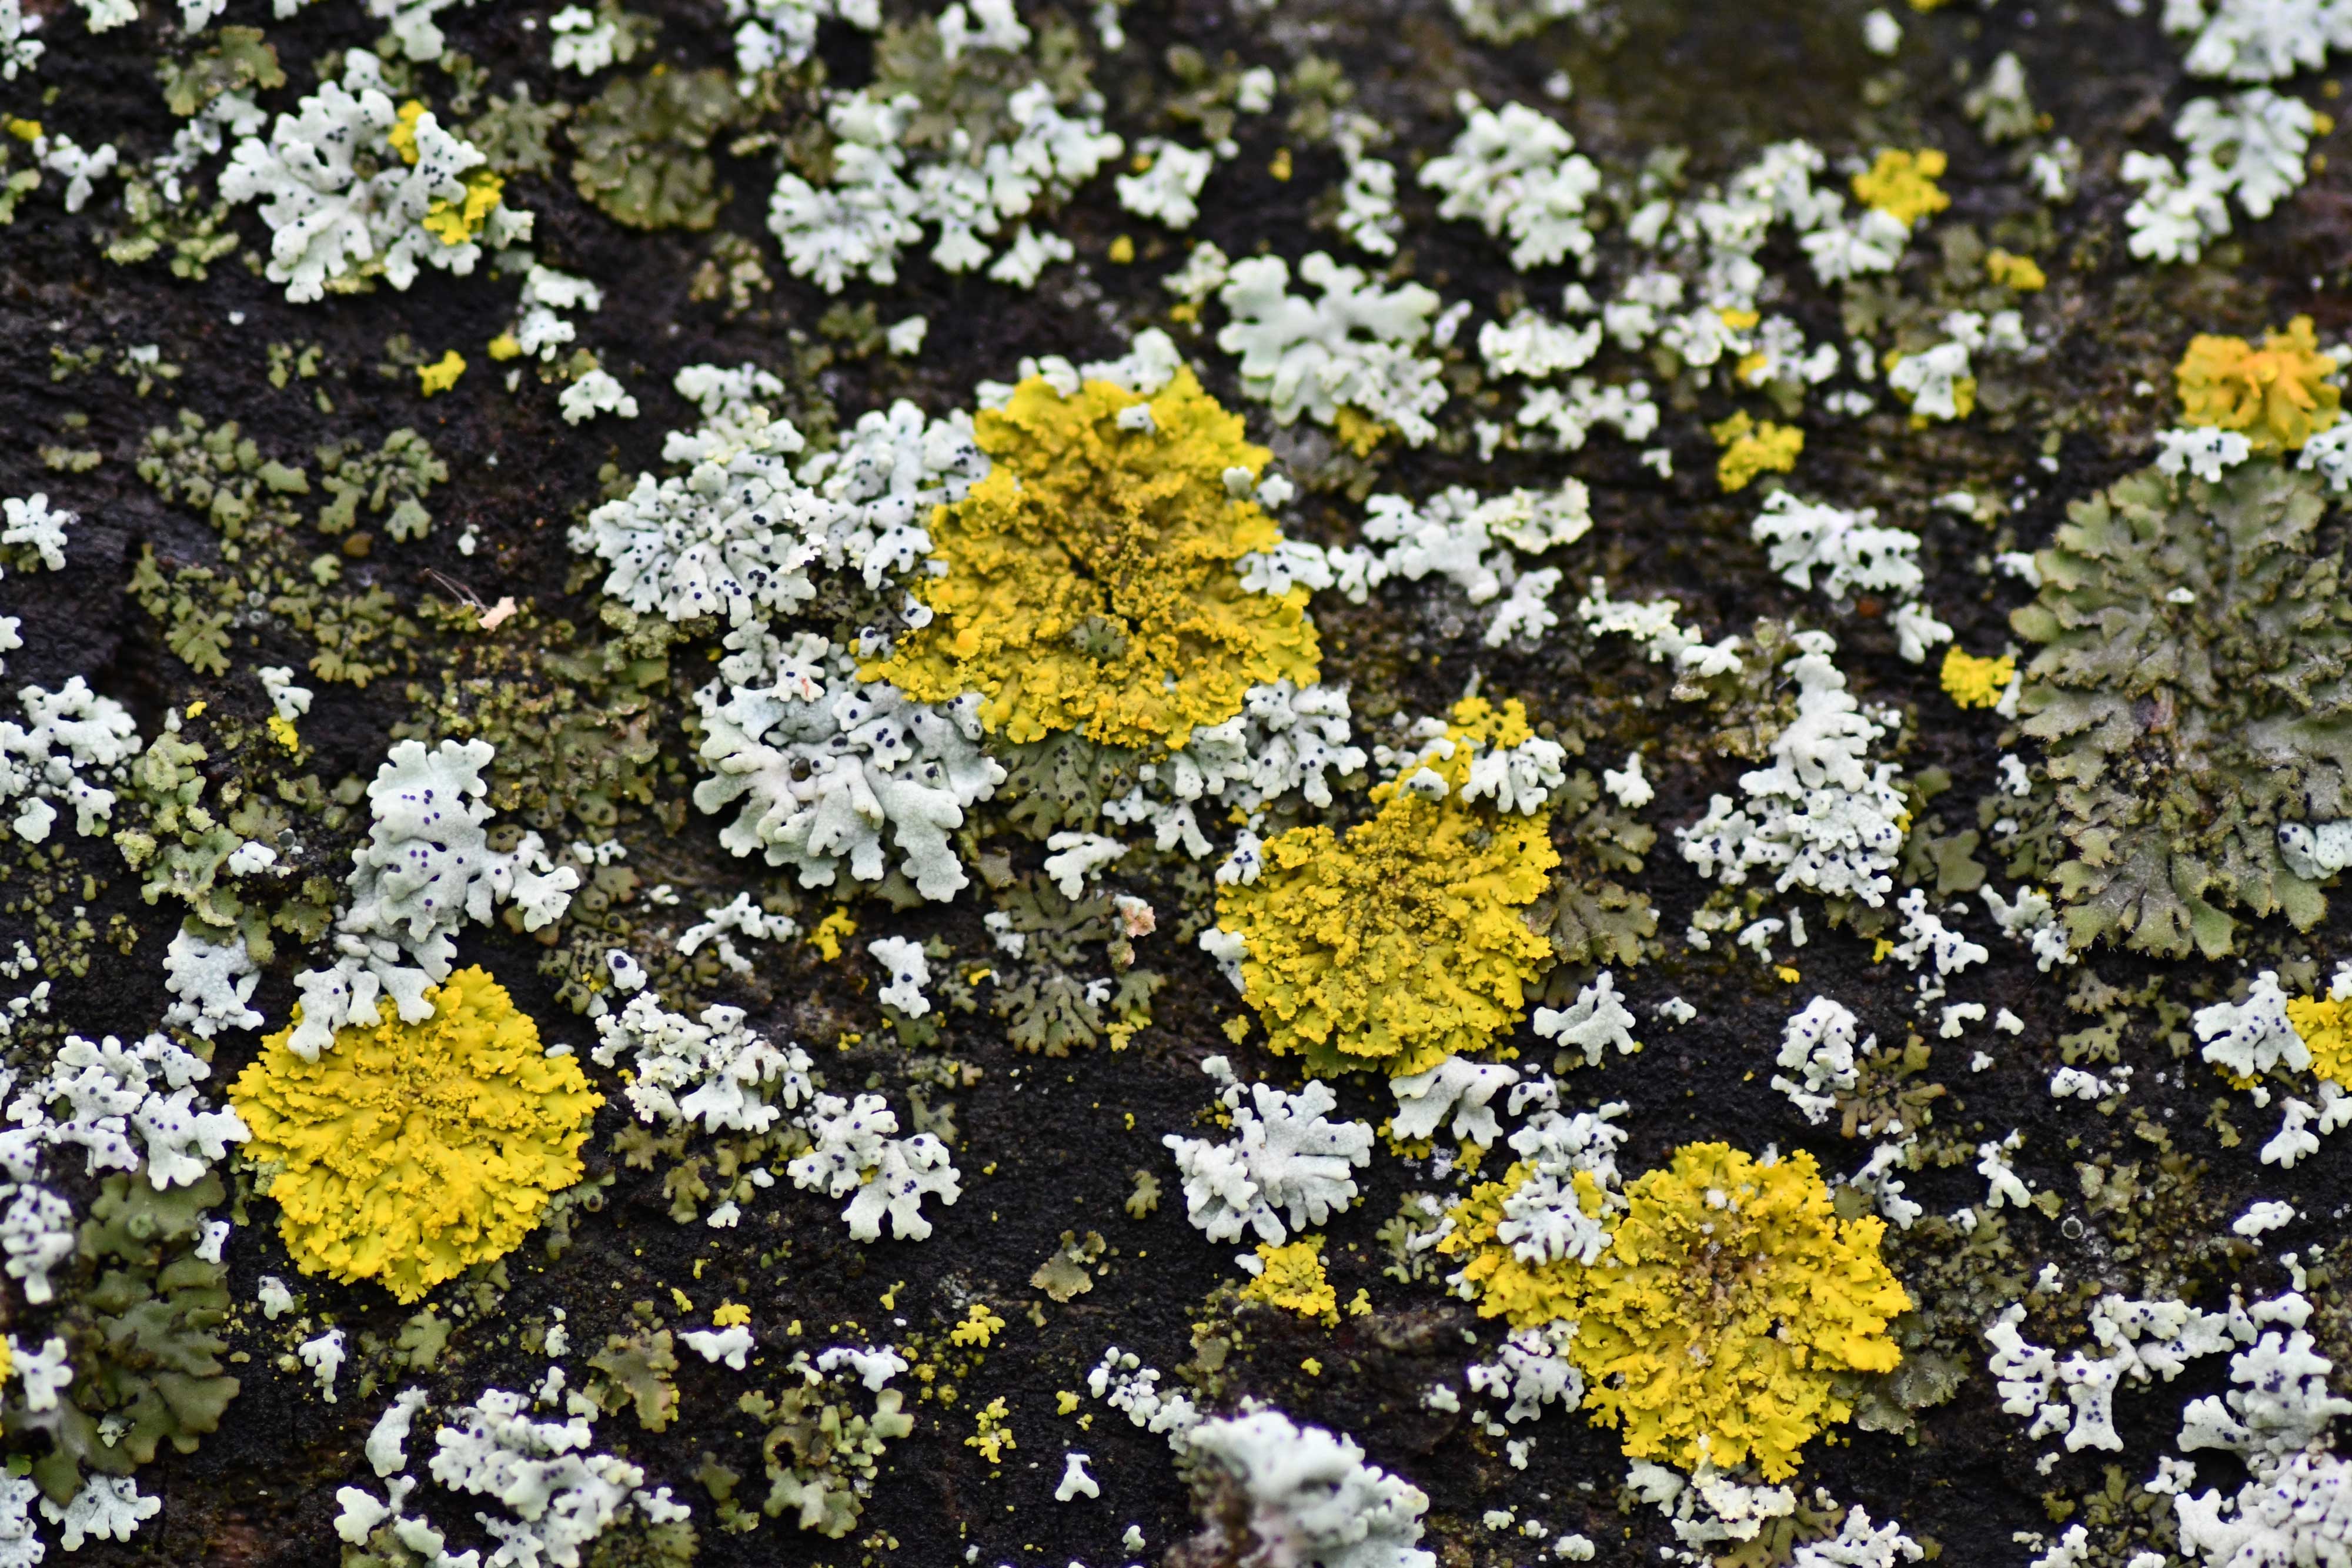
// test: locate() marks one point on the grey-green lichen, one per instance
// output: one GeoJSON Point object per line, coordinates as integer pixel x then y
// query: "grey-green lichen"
{"type": "Point", "coordinates": [643, 148]}
{"type": "Point", "coordinates": [2191, 697]}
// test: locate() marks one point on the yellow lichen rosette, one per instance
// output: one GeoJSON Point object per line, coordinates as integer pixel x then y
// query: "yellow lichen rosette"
{"type": "Point", "coordinates": [1090, 581]}
{"type": "Point", "coordinates": [1730, 1298]}
{"type": "Point", "coordinates": [2276, 396]}
{"type": "Point", "coordinates": [407, 1153]}
{"type": "Point", "coordinates": [1403, 941]}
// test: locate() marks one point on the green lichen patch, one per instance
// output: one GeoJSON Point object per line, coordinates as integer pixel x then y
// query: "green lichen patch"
{"type": "Point", "coordinates": [644, 143]}
{"type": "Point", "coordinates": [2191, 697]}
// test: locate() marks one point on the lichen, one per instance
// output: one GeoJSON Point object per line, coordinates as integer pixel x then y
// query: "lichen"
{"type": "Point", "coordinates": [2192, 698]}
{"type": "Point", "coordinates": [1090, 582]}
{"type": "Point", "coordinates": [2325, 1025]}
{"type": "Point", "coordinates": [1401, 942]}
{"type": "Point", "coordinates": [2277, 396]}
{"type": "Point", "coordinates": [1750, 449]}
{"type": "Point", "coordinates": [142, 1338]}
{"type": "Point", "coordinates": [1903, 184]}
{"type": "Point", "coordinates": [1291, 1279]}
{"type": "Point", "coordinates": [1729, 1302]}
{"type": "Point", "coordinates": [645, 144]}
{"type": "Point", "coordinates": [1974, 681]}
{"type": "Point", "coordinates": [407, 1153]}
{"type": "Point", "coordinates": [1720, 1323]}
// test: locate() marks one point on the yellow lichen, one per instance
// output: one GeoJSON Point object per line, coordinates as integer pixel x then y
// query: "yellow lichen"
{"type": "Point", "coordinates": [1903, 184]}
{"type": "Point", "coordinates": [1090, 582]}
{"type": "Point", "coordinates": [994, 1435]}
{"type": "Point", "coordinates": [1973, 681]}
{"type": "Point", "coordinates": [440, 376]}
{"type": "Point", "coordinates": [455, 223]}
{"type": "Point", "coordinates": [2277, 396]}
{"type": "Point", "coordinates": [831, 932]}
{"type": "Point", "coordinates": [730, 1315]}
{"type": "Point", "coordinates": [1750, 449]}
{"type": "Point", "coordinates": [402, 134]}
{"type": "Point", "coordinates": [1717, 1322]}
{"type": "Point", "coordinates": [1401, 943]}
{"type": "Point", "coordinates": [505, 346]}
{"type": "Point", "coordinates": [979, 1326]}
{"type": "Point", "coordinates": [1291, 1278]}
{"type": "Point", "coordinates": [2021, 272]}
{"type": "Point", "coordinates": [2325, 1026]}
{"type": "Point", "coordinates": [1730, 1298]}
{"type": "Point", "coordinates": [1524, 1294]}
{"type": "Point", "coordinates": [407, 1153]}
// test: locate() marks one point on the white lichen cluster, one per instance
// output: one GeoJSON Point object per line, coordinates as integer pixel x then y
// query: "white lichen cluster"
{"type": "Point", "coordinates": [1597, 1019]}
{"type": "Point", "coordinates": [710, 1071]}
{"type": "Point", "coordinates": [1517, 175]}
{"type": "Point", "coordinates": [718, 1074]}
{"type": "Point", "coordinates": [878, 202]}
{"type": "Point", "coordinates": [19, 50]}
{"type": "Point", "coordinates": [1824, 816]}
{"type": "Point", "coordinates": [740, 532]}
{"type": "Point", "coordinates": [210, 983]}
{"type": "Point", "coordinates": [33, 532]}
{"type": "Point", "coordinates": [1286, 741]}
{"type": "Point", "coordinates": [343, 201]}
{"type": "Point", "coordinates": [855, 1149]}
{"type": "Point", "coordinates": [133, 1107]}
{"type": "Point", "coordinates": [1456, 1089]}
{"type": "Point", "coordinates": [553, 1495]}
{"type": "Point", "coordinates": [774, 33]}
{"type": "Point", "coordinates": [2274, 1419]}
{"type": "Point", "coordinates": [426, 870]}
{"type": "Point", "coordinates": [1311, 1493]}
{"type": "Point", "coordinates": [1471, 542]}
{"type": "Point", "coordinates": [1544, 1219]}
{"type": "Point", "coordinates": [817, 766]}
{"type": "Point", "coordinates": [2253, 1039]}
{"type": "Point", "coordinates": [1820, 1044]}
{"type": "Point", "coordinates": [1353, 345]}
{"type": "Point", "coordinates": [1854, 553]}
{"type": "Point", "coordinates": [2252, 147]}
{"type": "Point", "coordinates": [1121, 1380]}
{"type": "Point", "coordinates": [1285, 1160]}
{"type": "Point", "coordinates": [70, 737]}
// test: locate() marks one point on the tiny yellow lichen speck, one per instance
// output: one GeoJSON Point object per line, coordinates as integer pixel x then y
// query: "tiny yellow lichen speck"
{"type": "Point", "coordinates": [1750, 449]}
{"type": "Point", "coordinates": [1973, 681]}
{"type": "Point", "coordinates": [1292, 1278]}
{"type": "Point", "coordinates": [979, 1326]}
{"type": "Point", "coordinates": [455, 223]}
{"type": "Point", "coordinates": [1903, 184]}
{"type": "Point", "coordinates": [2021, 272]}
{"type": "Point", "coordinates": [443, 375]}
{"type": "Point", "coordinates": [1090, 581]}
{"type": "Point", "coordinates": [994, 1435]}
{"type": "Point", "coordinates": [1402, 943]}
{"type": "Point", "coordinates": [2276, 396]}
{"type": "Point", "coordinates": [402, 134]}
{"type": "Point", "coordinates": [830, 931]}
{"type": "Point", "coordinates": [409, 1151]}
